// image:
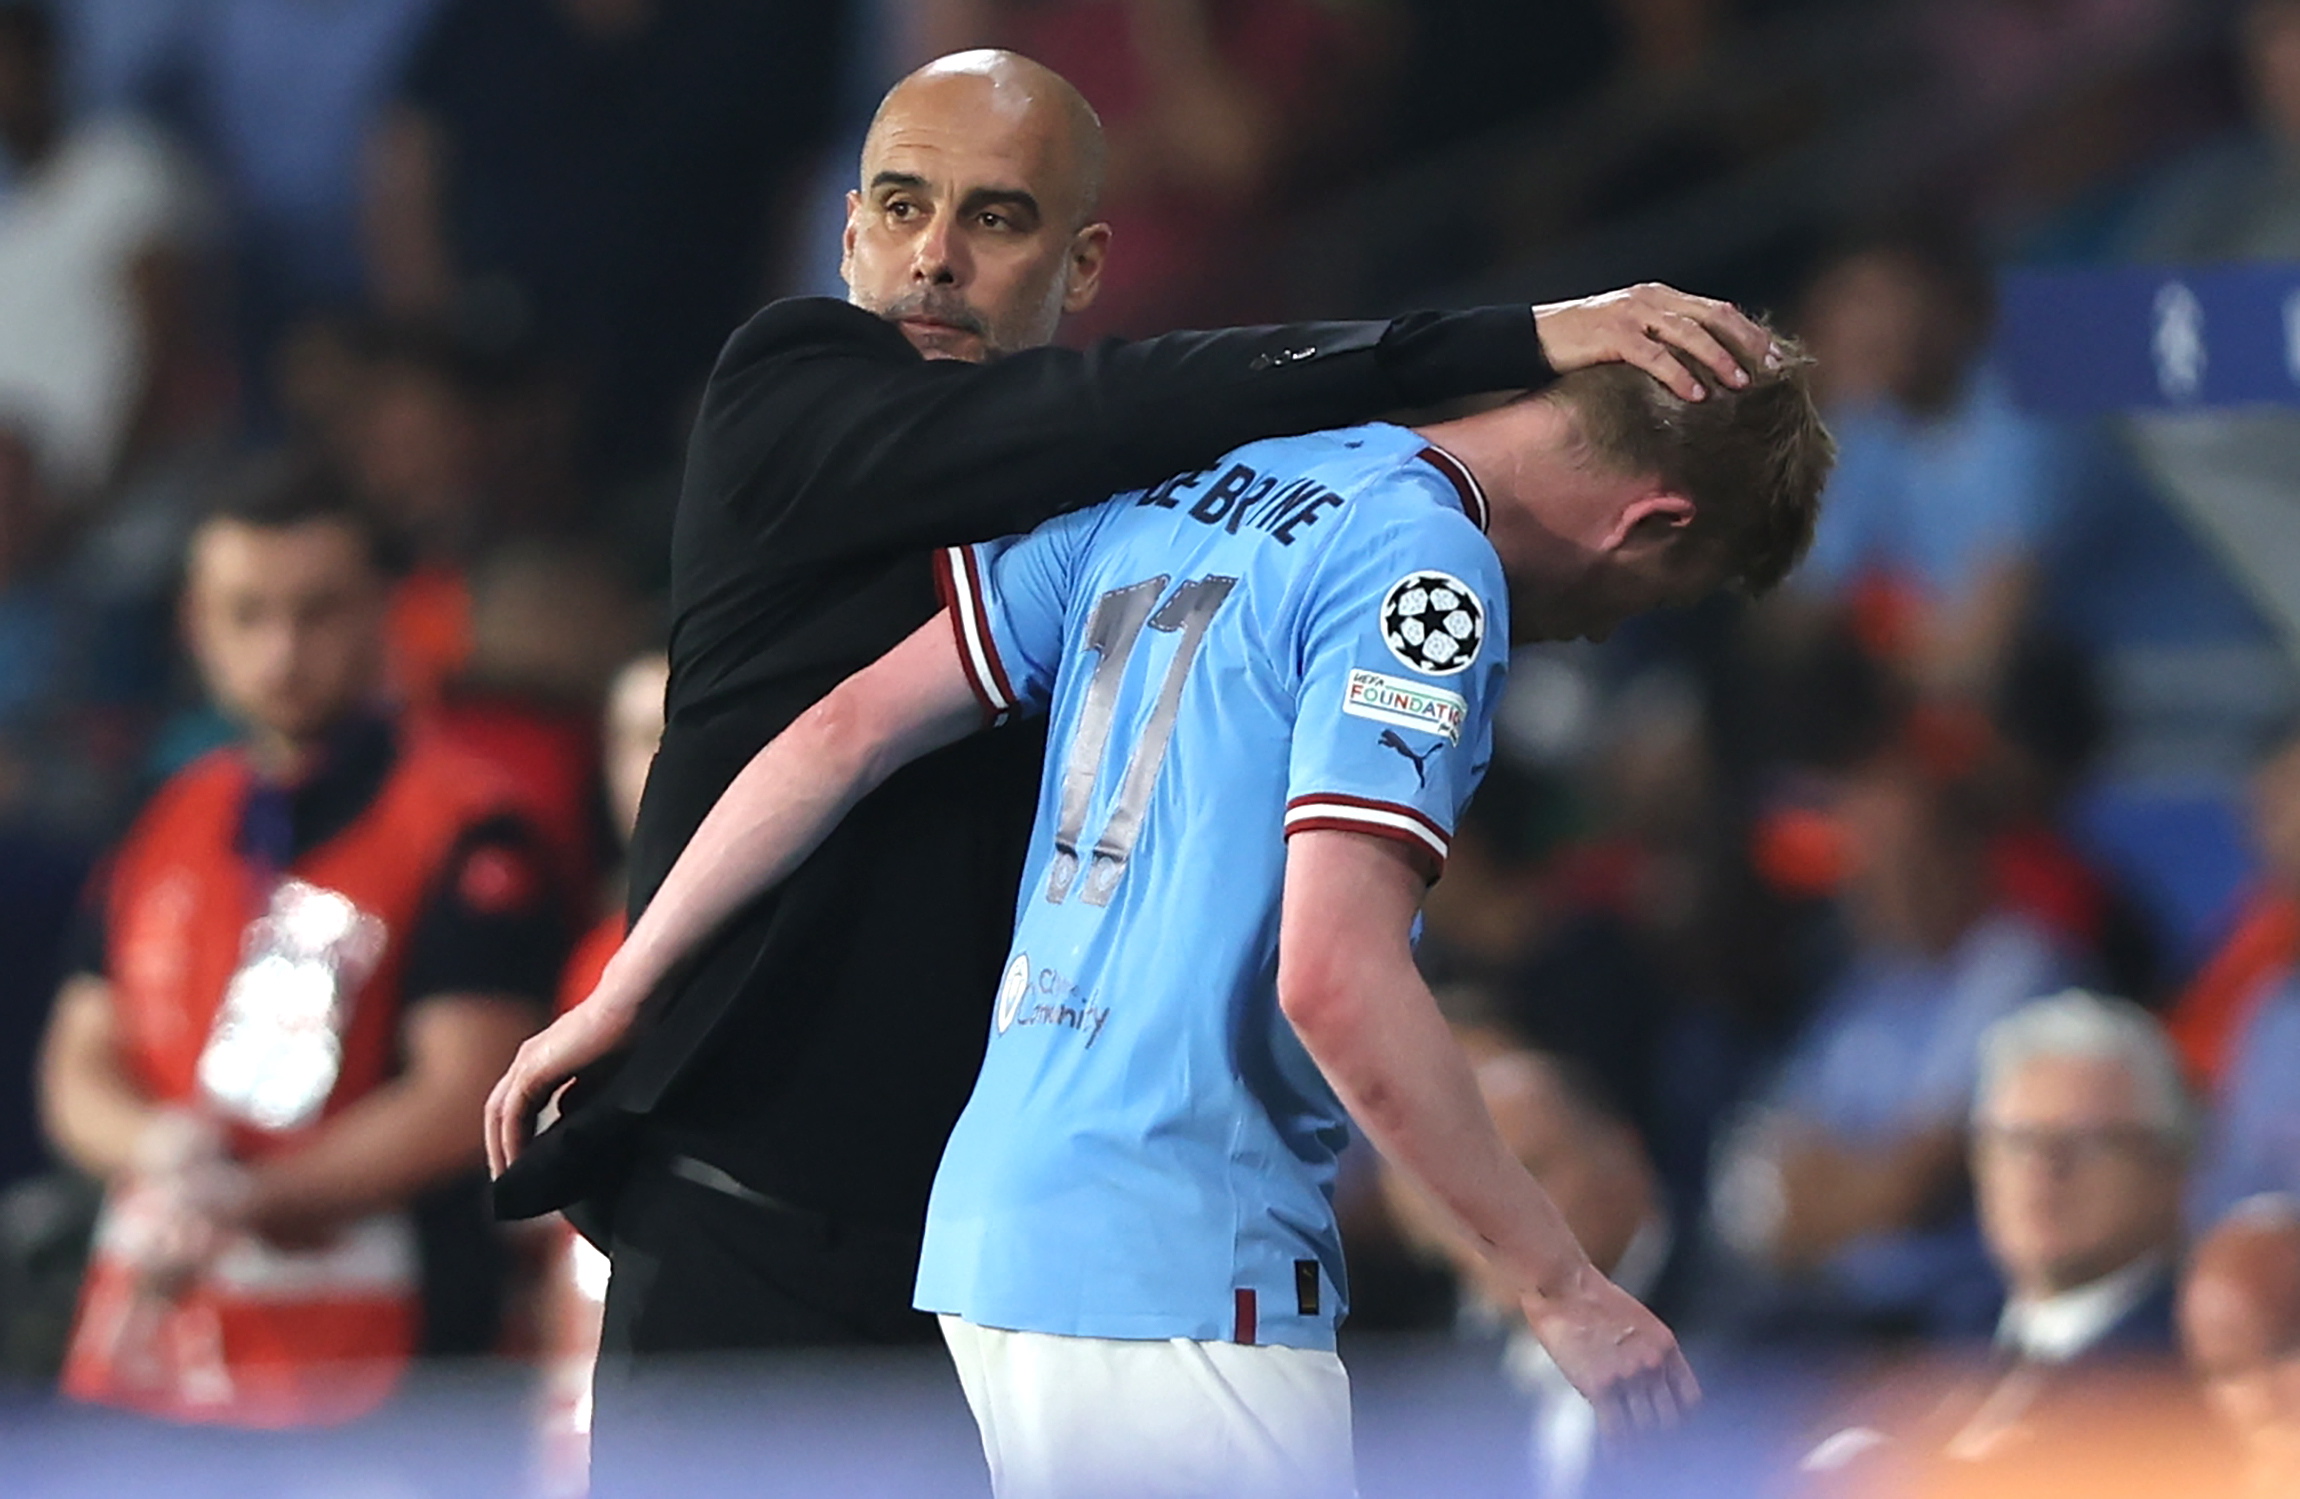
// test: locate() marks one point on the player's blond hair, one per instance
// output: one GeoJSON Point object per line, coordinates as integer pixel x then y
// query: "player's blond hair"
{"type": "Point", "coordinates": [1752, 460]}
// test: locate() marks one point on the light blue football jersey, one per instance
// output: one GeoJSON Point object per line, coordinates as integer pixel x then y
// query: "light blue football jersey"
{"type": "Point", "coordinates": [1312, 633]}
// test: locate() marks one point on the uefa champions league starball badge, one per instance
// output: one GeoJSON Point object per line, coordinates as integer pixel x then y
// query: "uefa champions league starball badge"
{"type": "Point", "coordinates": [1433, 622]}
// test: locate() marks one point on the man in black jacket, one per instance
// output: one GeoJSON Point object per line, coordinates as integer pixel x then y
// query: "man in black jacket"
{"type": "Point", "coordinates": [757, 1161]}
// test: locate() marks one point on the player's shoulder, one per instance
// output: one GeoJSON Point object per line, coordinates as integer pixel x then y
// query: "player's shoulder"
{"type": "Point", "coordinates": [1410, 497]}
{"type": "Point", "coordinates": [1411, 541]}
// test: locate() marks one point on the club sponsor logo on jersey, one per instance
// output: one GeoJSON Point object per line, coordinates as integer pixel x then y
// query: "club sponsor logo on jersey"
{"type": "Point", "coordinates": [1011, 990]}
{"type": "Point", "coordinates": [1046, 996]}
{"type": "Point", "coordinates": [1433, 622]}
{"type": "Point", "coordinates": [1405, 705]}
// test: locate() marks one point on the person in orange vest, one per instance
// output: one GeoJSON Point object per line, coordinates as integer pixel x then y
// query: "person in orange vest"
{"type": "Point", "coordinates": [298, 976]}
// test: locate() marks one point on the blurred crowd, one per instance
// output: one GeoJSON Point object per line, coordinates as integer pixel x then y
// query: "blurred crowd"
{"type": "Point", "coordinates": [1905, 966]}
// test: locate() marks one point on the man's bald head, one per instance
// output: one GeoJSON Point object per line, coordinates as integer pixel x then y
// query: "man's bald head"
{"type": "Point", "coordinates": [972, 226]}
{"type": "Point", "coordinates": [1008, 91]}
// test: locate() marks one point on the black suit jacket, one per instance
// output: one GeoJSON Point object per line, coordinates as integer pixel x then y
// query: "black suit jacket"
{"type": "Point", "coordinates": [820, 1047]}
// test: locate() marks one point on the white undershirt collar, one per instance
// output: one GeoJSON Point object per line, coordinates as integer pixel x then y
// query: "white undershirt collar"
{"type": "Point", "coordinates": [2058, 1328]}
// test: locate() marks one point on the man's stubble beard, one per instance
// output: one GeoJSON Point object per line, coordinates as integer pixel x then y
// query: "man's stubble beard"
{"type": "Point", "coordinates": [945, 306]}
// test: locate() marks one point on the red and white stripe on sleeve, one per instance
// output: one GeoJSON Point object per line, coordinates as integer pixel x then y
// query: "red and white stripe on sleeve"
{"type": "Point", "coordinates": [958, 577]}
{"type": "Point", "coordinates": [1331, 811]}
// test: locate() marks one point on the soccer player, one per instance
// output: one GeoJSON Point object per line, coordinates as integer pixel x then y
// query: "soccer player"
{"type": "Point", "coordinates": [1269, 687]}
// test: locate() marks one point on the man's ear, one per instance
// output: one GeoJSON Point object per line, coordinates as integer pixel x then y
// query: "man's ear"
{"type": "Point", "coordinates": [847, 240]}
{"type": "Point", "coordinates": [1082, 277]}
{"type": "Point", "coordinates": [1649, 520]}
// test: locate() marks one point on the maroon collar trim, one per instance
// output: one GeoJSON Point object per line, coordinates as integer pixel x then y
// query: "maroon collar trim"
{"type": "Point", "coordinates": [1464, 482]}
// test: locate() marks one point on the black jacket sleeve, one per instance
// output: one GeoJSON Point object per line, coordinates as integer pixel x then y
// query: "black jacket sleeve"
{"type": "Point", "coordinates": [830, 434]}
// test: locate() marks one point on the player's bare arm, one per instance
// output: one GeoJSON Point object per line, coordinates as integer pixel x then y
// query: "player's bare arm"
{"type": "Point", "coordinates": [1347, 982]}
{"type": "Point", "coordinates": [912, 700]}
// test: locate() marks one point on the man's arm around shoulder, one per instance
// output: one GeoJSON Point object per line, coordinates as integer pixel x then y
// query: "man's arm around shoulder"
{"type": "Point", "coordinates": [835, 436]}
{"type": "Point", "coordinates": [824, 423]}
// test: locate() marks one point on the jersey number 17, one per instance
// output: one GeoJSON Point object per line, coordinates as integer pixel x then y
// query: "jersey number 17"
{"type": "Point", "coordinates": [1111, 632]}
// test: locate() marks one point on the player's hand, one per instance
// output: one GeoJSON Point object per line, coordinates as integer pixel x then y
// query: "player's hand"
{"type": "Point", "coordinates": [545, 1060]}
{"type": "Point", "coordinates": [1614, 1352]}
{"type": "Point", "coordinates": [1641, 325]}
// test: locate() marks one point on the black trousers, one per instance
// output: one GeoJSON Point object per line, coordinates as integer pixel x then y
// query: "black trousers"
{"type": "Point", "coordinates": [706, 1273]}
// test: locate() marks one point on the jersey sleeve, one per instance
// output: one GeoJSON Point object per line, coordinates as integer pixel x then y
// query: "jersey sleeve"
{"type": "Point", "coordinates": [1007, 601]}
{"type": "Point", "coordinates": [1403, 645]}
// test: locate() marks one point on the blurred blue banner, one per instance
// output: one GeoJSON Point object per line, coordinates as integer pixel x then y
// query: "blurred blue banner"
{"type": "Point", "coordinates": [2079, 343]}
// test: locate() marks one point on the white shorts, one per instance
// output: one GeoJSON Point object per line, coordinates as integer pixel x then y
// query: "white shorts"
{"type": "Point", "coordinates": [1104, 1418]}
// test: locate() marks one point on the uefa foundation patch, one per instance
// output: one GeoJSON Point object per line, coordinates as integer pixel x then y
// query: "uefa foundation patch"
{"type": "Point", "coordinates": [1407, 705]}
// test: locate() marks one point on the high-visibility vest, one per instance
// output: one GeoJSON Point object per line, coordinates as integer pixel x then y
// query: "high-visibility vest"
{"type": "Point", "coordinates": [266, 1335]}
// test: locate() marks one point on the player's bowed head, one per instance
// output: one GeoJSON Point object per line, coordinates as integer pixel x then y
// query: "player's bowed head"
{"type": "Point", "coordinates": [1613, 494]}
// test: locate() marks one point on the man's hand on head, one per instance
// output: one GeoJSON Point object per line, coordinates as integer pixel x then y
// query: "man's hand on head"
{"type": "Point", "coordinates": [1650, 326]}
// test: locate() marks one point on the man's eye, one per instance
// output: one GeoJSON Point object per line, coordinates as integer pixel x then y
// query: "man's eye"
{"type": "Point", "coordinates": [901, 208]}
{"type": "Point", "coordinates": [996, 221]}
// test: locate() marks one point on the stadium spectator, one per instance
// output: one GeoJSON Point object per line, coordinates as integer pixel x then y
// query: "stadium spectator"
{"type": "Point", "coordinates": [596, 179]}
{"type": "Point", "coordinates": [551, 622]}
{"type": "Point", "coordinates": [2235, 199]}
{"type": "Point", "coordinates": [1946, 495]}
{"type": "Point", "coordinates": [1589, 1159]}
{"type": "Point", "coordinates": [415, 448]}
{"type": "Point", "coordinates": [2256, 958]}
{"type": "Point", "coordinates": [2082, 1133]}
{"type": "Point", "coordinates": [1848, 1183]}
{"type": "Point", "coordinates": [2082, 1130]}
{"type": "Point", "coordinates": [97, 234]}
{"type": "Point", "coordinates": [2239, 1022]}
{"type": "Point", "coordinates": [296, 978]}
{"type": "Point", "coordinates": [442, 443]}
{"type": "Point", "coordinates": [278, 98]}
{"type": "Point", "coordinates": [2240, 1325]}
{"type": "Point", "coordinates": [2254, 1145]}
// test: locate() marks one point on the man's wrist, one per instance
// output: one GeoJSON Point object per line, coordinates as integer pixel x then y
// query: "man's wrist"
{"type": "Point", "coordinates": [1558, 1282]}
{"type": "Point", "coordinates": [618, 991]}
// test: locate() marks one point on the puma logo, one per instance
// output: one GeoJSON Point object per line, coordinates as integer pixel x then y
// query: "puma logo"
{"type": "Point", "coordinates": [1391, 740]}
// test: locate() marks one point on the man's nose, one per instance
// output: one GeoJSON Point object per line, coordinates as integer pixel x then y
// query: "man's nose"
{"type": "Point", "coordinates": [940, 254]}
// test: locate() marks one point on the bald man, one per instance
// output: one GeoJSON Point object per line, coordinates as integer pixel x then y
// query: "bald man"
{"type": "Point", "coordinates": [757, 1164]}
{"type": "Point", "coordinates": [2240, 1324]}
